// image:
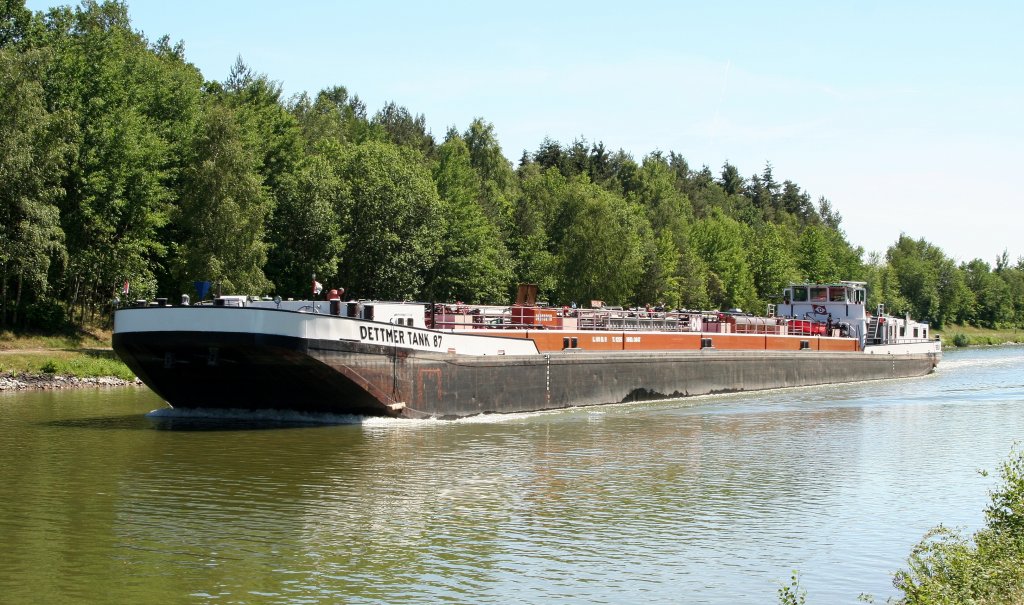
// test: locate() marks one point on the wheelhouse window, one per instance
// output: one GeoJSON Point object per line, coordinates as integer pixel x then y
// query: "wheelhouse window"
{"type": "Point", "coordinates": [819, 294]}
{"type": "Point", "coordinates": [837, 294]}
{"type": "Point", "coordinates": [799, 294]}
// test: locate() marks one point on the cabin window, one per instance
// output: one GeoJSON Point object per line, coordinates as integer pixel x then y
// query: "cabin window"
{"type": "Point", "coordinates": [819, 294]}
{"type": "Point", "coordinates": [903, 331]}
{"type": "Point", "coordinates": [924, 333]}
{"type": "Point", "coordinates": [915, 332]}
{"type": "Point", "coordinates": [837, 294]}
{"type": "Point", "coordinates": [800, 294]}
{"type": "Point", "coordinates": [858, 296]}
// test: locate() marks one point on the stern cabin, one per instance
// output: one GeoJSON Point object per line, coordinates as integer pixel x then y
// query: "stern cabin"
{"type": "Point", "coordinates": [845, 302]}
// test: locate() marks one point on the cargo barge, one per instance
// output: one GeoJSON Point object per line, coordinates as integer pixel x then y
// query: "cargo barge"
{"type": "Point", "coordinates": [418, 360]}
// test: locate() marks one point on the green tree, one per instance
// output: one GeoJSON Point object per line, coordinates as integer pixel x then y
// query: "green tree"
{"type": "Point", "coordinates": [599, 245]}
{"type": "Point", "coordinates": [771, 261]}
{"type": "Point", "coordinates": [32, 160]}
{"type": "Point", "coordinates": [224, 209]}
{"type": "Point", "coordinates": [932, 285]}
{"type": "Point", "coordinates": [600, 165]}
{"type": "Point", "coordinates": [306, 231]}
{"type": "Point", "coordinates": [398, 125]}
{"type": "Point", "coordinates": [660, 282]}
{"type": "Point", "coordinates": [628, 178]}
{"type": "Point", "coordinates": [474, 265]}
{"type": "Point", "coordinates": [814, 256]}
{"type": "Point", "coordinates": [397, 221]}
{"type": "Point", "coordinates": [498, 189]}
{"type": "Point", "coordinates": [992, 305]}
{"type": "Point", "coordinates": [672, 274]}
{"type": "Point", "coordinates": [655, 190]}
{"type": "Point", "coordinates": [848, 259]}
{"type": "Point", "coordinates": [332, 115]}
{"type": "Point", "coordinates": [15, 22]}
{"type": "Point", "coordinates": [797, 203]}
{"type": "Point", "coordinates": [764, 193]}
{"type": "Point", "coordinates": [721, 242]}
{"type": "Point", "coordinates": [274, 131]}
{"type": "Point", "coordinates": [883, 285]}
{"type": "Point", "coordinates": [829, 215]}
{"type": "Point", "coordinates": [730, 179]}
{"type": "Point", "coordinates": [823, 255]}
{"type": "Point", "coordinates": [130, 102]}
{"type": "Point", "coordinates": [1013, 276]}
{"type": "Point", "coordinates": [529, 241]}
{"type": "Point", "coordinates": [550, 155]}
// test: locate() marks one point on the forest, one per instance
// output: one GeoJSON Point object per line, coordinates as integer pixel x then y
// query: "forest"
{"type": "Point", "coordinates": [122, 166]}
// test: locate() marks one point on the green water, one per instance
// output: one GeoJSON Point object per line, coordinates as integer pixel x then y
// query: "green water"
{"type": "Point", "coordinates": [711, 500]}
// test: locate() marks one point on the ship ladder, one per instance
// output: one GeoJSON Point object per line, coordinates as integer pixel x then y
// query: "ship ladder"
{"type": "Point", "coordinates": [874, 331]}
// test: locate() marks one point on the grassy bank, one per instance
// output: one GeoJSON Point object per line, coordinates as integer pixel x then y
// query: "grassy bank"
{"type": "Point", "coordinates": [83, 355]}
{"type": "Point", "coordinates": [966, 336]}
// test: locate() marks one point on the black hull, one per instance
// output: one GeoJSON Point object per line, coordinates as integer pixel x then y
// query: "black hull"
{"type": "Point", "coordinates": [240, 371]}
{"type": "Point", "coordinates": [258, 371]}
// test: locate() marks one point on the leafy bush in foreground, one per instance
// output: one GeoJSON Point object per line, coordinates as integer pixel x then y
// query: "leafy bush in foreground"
{"type": "Point", "coordinates": [947, 568]}
{"type": "Point", "coordinates": [986, 569]}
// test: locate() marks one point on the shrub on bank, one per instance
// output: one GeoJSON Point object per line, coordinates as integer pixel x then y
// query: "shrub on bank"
{"type": "Point", "coordinates": [985, 569]}
{"type": "Point", "coordinates": [948, 568]}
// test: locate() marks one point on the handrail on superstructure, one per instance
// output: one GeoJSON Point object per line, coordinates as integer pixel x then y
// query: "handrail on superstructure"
{"type": "Point", "coordinates": [468, 318]}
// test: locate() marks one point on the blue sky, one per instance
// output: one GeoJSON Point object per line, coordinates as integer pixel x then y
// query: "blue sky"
{"type": "Point", "coordinates": [908, 116]}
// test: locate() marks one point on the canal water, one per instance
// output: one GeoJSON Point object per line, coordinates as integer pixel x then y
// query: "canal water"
{"type": "Point", "coordinates": [708, 500]}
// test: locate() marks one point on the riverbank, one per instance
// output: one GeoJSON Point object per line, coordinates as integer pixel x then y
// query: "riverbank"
{"type": "Point", "coordinates": [10, 381]}
{"type": "Point", "coordinates": [970, 336]}
{"type": "Point", "coordinates": [62, 361]}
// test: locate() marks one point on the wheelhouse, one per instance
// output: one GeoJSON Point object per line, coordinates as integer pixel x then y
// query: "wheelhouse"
{"type": "Point", "coordinates": [842, 292]}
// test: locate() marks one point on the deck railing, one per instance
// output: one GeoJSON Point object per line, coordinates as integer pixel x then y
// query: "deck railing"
{"type": "Point", "coordinates": [467, 317]}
